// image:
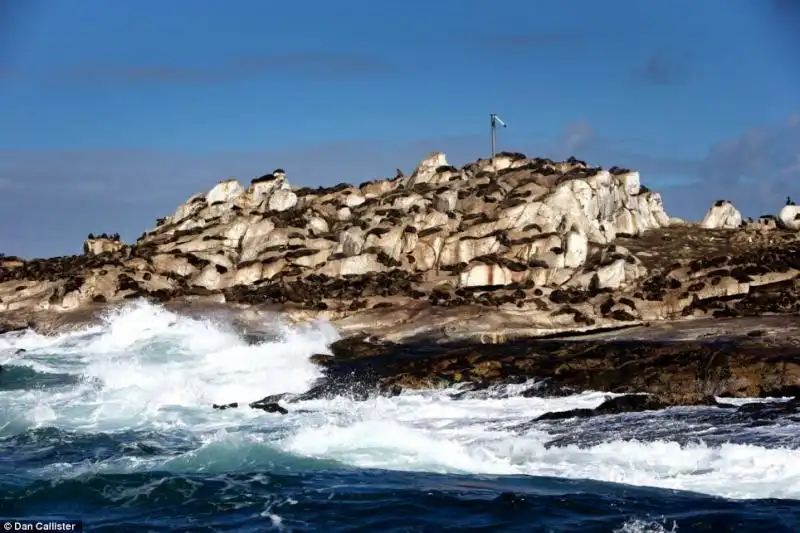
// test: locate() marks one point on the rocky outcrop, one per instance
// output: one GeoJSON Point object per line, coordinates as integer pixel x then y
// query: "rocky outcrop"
{"type": "Point", "coordinates": [675, 365]}
{"type": "Point", "coordinates": [722, 215]}
{"type": "Point", "coordinates": [630, 403]}
{"type": "Point", "coordinates": [102, 245]}
{"type": "Point", "coordinates": [766, 223]}
{"type": "Point", "coordinates": [789, 217]}
{"type": "Point", "coordinates": [504, 247]}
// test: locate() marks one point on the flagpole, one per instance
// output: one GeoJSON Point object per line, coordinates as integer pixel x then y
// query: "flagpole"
{"type": "Point", "coordinates": [493, 121]}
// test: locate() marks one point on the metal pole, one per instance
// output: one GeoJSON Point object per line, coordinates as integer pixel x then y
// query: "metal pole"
{"type": "Point", "coordinates": [494, 129]}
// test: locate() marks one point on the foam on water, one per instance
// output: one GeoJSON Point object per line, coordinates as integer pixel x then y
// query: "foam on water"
{"type": "Point", "coordinates": [148, 367]}
{"type": "Point", "coordinates": [645, 526]}
{"type": "Point", "coordinates": [145, 368]}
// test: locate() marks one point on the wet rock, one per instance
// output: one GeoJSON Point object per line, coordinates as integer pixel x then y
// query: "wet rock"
{"type": "Point", "coordinates": [548, 389]}
{"type": "Point", "coordinates": [10, 327]}
{"type": "Point", "coordinates": [672, 372]}
{"type": "Point", "coordinates": [767, 411]}
{"type": "Point", "coordinates": [222, 407]}
{"type": "Point", "coordinates": [269, 407]}
{"type": "Point", "coordinates": [627, 404]}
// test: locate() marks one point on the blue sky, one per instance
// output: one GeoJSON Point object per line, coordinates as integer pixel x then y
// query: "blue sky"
{"type": "Point", "coordinates": [113, 113]}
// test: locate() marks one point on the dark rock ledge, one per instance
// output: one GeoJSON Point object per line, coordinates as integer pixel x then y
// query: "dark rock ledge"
{"type": "Point", "coordinates": [654, 367]}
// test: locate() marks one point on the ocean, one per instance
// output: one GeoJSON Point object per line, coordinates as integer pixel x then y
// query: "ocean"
{"type": "Point", "coordinates": [113, 425]}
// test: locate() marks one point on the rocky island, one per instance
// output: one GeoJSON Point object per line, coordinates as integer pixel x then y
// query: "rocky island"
{"type": "Point", "coordinates": [503, 270]}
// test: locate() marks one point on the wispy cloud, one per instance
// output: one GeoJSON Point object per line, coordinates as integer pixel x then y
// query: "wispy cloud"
{"type": "Point", "coordinates": [661, 69]}
{"type": "Point", "coordinates": [327, 65]}
{"type": "Point", "coordinates": [767, 152]}
{"type": "Point", "coordinates": [756, 170]}
{"type": "Point", "coordinates": [770, 152]}
{"type": "Point", "coordinates": [7, 184]}
{"type": "Point", "coordinates": [575, 137]}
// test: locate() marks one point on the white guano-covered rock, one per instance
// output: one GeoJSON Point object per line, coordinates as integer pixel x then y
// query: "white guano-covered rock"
{"type": "Point", "coordinates": [446, 201]}
{"type": "Point", "coordinates": [611, 276]}
{"type": "Point", "coordinates": [261, 190]}
{"type": "Point", "coordinates": [344, 213]}
{"type": "Point", "coordinates": [351, 241]}
{"type": "Point", "coordinates": [480, 274]}
{"type": "Point", "coordinates": [631, 183]}
{"type": "Point", "coordinates": [211, 278]}
{"type": "Point", "coordinates": [722, 215]}
{"type": "Point", "coordinates": [426, 169]}
{"type": "Point", "coordinates": [101, 245]}
{"type": "Point", "coordinates": [318, 225]}
{"type": "Point", "coordinates": [541, 220]}
{"type": "Point", "coordinates": [354, 200]}
{"type": "Point", "coordinates": [256, 239]}
{"type": "Point", "coordinates": [576, 249]}
{"type": "Point", "coordinates": [189, 208]}
{"type": "Point", "coordinates": [224, 192]}
{"type": "Point", "coordinates": [282, 200]}
{"type": "Point", "coordinates": [789, 217]}
{"type": "Point", "coordinates": [358, 265]}
{"type": "Point", "coordinates": [600, 206]}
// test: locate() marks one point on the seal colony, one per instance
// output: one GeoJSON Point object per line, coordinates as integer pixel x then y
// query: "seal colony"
{"type": "Point", "coordinates": [502, 251]}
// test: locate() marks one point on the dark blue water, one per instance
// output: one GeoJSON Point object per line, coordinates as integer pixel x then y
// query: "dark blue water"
{"type": "Point", "coordinates": [348, 499]}
{"type": "Point", "coordinates": [113, 427]}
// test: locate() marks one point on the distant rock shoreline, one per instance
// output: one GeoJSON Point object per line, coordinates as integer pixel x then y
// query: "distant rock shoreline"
{"type": "Point", "coordinates": [500, 249]}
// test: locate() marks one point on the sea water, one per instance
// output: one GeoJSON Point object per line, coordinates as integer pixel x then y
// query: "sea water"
{"type": "Point", "coordinates": [112, 424]}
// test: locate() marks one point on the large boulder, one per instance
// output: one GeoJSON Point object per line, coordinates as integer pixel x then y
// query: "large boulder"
{"type": "Point", "coordinates": [789, 217]}
{"type": "Point", "coordinates": [262, 188]}
{"type": "Point", "coordinates": [102, 245]}
{"type": "Point", "coordinates": [224, 191]}
{"type": "Point", "coordinates": [282, 200]}
{"type": "Point", "coordinates": [722, 215]}
{"type": "Point", "coordinates": [427, 169]}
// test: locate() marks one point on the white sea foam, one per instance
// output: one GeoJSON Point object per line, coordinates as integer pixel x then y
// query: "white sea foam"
{"type": "Point", "coordinates": [646, 526]}
{"type": "Point", "coordinates": [145, 368]}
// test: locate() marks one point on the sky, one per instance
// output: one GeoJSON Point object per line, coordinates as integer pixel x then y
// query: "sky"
{"type": "Point", "coordinates": [114, 113]}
